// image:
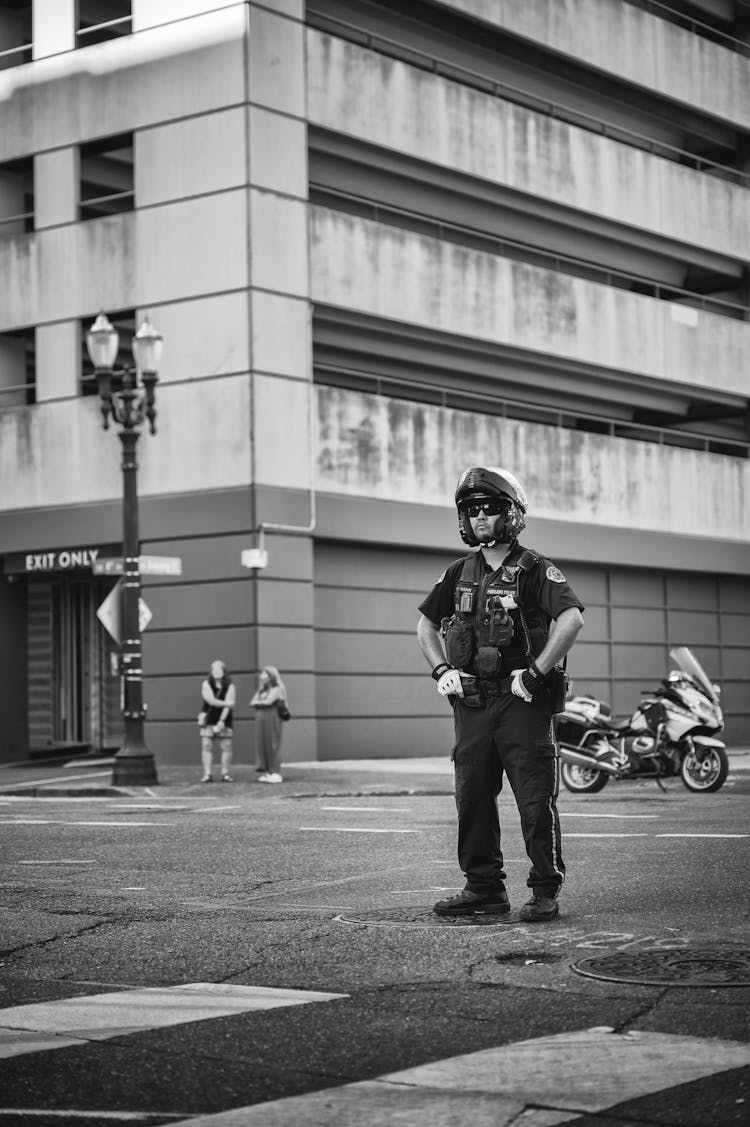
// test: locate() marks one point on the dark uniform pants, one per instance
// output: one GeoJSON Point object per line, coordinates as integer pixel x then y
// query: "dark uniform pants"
{"type": "Point", "coordinates": [507, 735]}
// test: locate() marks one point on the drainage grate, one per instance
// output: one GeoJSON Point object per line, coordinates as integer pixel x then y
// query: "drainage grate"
{"type": "Point", "coordinates": [728, 966]}
{"type": "Point", "coordinates": [423, 917]}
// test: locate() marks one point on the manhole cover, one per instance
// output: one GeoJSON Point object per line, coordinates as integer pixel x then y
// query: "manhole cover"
{"type": "Point", "coordinates": [699, 967]}
{"type": "Point", "coordinates": [422, 917]}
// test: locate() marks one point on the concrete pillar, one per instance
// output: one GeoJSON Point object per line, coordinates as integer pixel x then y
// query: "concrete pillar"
{"type": "Point", "coordinates": [58, 360]}
{"type": "Point", "coordinates": [281, 355]}
{"type": "Point", "coordinates": [56, 187]}
{"type": "Point", "coordinates": [54, 26]}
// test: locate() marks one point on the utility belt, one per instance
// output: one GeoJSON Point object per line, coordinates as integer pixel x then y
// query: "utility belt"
{"type": "Point", "coordinates": [478, 690]}
{"type": "Point", "coordinates": [479, 686]}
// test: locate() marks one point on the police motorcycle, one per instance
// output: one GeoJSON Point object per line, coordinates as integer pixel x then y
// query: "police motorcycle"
{"type": "Point", "coordinates": [671, 732]}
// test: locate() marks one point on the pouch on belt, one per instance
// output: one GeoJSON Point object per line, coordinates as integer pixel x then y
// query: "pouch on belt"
{"type": "Point", "coordinates": [473, 696]}
{"type": "Point", "coordinates": [459, 641]}
{"type": "Point", "coordinates": [488, 662]}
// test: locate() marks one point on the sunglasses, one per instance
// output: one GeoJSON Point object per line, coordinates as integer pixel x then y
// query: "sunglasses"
{"type": "Point", "coordinates": [489, 508]}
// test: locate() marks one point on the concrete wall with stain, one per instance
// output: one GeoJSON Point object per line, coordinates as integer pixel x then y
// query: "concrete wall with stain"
{"type": "Point", "coordinates": [629, 42]}
{"type": "Point", "coordinates": [373, 268]}
{"type": "Point", "coordinates": [373, 446]}
{"type": "Point", "coordinates": [389, 103]}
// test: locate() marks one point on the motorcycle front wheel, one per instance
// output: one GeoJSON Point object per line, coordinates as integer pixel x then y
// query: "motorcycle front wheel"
{"type": "Point", "coordinates": [705, 775]}
{"type": "Point", "coordinates": [582, 780]}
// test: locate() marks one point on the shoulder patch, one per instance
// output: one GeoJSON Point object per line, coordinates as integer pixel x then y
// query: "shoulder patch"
{"type": "Point", "coordinates": [555, 575]}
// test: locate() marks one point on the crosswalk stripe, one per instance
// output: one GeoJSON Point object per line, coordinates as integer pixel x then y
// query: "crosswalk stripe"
{"type": "Point", "coordinates": [539, 1082]}
{"type": "Point", "coordinates": [41, 1026]}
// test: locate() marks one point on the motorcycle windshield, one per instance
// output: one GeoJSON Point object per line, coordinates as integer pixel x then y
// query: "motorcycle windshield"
{"type": "Point", "coordinates": [689, 664]}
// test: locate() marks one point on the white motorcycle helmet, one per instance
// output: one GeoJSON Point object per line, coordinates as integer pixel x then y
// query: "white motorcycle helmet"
{"type": "Point", "coordinates": [491, 483]}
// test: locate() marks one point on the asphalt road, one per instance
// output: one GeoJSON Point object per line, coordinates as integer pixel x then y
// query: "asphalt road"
{"type": "Point", "coordinates": [324, 884]}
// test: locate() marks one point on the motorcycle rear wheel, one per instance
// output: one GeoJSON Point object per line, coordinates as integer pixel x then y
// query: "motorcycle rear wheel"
{"type": "Point", "coordinates": [582, 780]}
{"type": "Point", "coordinates": [708, 775]}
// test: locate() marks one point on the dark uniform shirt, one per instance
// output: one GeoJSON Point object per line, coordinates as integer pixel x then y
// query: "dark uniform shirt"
{"type": "Point", "coordinates": [543, 586]}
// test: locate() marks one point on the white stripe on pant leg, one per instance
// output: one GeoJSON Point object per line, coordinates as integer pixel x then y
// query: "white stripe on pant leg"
{"type": "Point", "coordinates": [556, 827]}
{"type": "Point", "coordinates": [555, 819]}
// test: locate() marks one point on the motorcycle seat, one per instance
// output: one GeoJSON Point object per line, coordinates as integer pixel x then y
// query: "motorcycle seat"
{"type": "Point", "coordinates": [617, 725]}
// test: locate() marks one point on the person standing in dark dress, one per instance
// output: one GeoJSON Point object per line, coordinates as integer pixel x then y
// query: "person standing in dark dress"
{"type": "Point", "coordinates": [270, 694]}
{"type": "Point", "coordinates": [216, 720]}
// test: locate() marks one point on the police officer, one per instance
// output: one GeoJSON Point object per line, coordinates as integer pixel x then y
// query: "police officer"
{"type": "Point", "coordinates": [494, 628]}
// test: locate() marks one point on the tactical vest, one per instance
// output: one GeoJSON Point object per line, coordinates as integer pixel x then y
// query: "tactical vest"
{"type": "Point", "coordinates": [488, 617]}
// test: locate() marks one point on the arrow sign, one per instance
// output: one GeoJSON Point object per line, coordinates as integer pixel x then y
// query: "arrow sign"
{"type": "Point", "coordinates": [109, 613]}
{"type": "Point", "coordinates": [144, 615]}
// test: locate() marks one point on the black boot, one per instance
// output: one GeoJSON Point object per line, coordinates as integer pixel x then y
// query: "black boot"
{"type": "Point", "coordinates": [466, 903]}
{"type": "Point", "coordinates": [540, 909]}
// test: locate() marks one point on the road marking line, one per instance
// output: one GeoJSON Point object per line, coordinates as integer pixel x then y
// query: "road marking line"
{"type": "Point", "coordinates": [146, 806]}
{"type": "Point", "coordinates": [59, 861]}
{"type": "Point", "coordinates": [372, 809]}
{"type": "Point", "coordinates": [61, 779]}
{"type": "Point", "coordinates": [567, 835]}
{"type": "Point", "coordinates": [702, 835]}
{"type": "Point", "coordinates": [213, 809]}
{"type": "Point", "coordinates": [96, 1017]}
{"type": "Point", "coordinates": [52, 799]}
{"type": "Point", "coordinates": [117, 1116]}
{"type": "Point", "coordinates": [301, 906]}
{"type": "Point", "coordinates": [575, 814]}
{"type": "Point", "coordinates": [538, 1083]}
{"type": "Point", "coordinates": [354, 830]}
{"type": "Point", "coordinates": [67, 822]}
{"type": "Point", "coordinates": [418, 891]}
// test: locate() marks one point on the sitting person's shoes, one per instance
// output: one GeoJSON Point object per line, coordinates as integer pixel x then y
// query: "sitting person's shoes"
{"type": "Point", "coordinates": [207, 779]}
{"type": "Point", "coordinates": [540, 909]}
{"type": "Point", "coordinates": [227, 778]}
{"type": "Point", "coordinates": [466, 903]}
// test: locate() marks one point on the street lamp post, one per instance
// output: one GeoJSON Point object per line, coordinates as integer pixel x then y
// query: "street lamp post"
{"type": "Point", "coordinates": [129, 404]}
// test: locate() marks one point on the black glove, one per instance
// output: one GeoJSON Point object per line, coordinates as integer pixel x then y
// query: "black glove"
{"type": "Point", "coordinates": [532, 680]}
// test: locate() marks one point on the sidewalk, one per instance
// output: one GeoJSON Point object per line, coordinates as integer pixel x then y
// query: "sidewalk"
{"type": "Point", "coordinates": [93, 777]}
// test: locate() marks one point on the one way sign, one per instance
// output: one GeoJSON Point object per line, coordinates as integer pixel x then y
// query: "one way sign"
{"type": "Point", "coordinates": [110, 617]}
